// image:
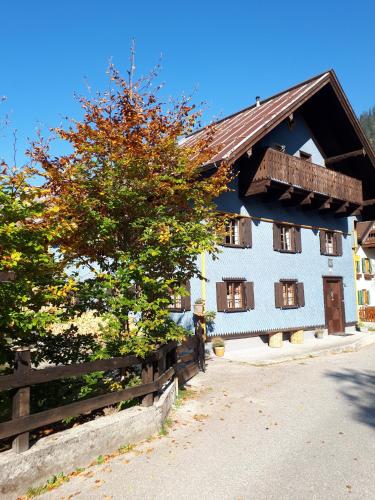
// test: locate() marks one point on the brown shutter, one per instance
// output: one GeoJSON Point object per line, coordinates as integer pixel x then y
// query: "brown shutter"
{"type": "Point", "coordinates": [245, 232]}
{"type": "Point", "coordinates": [279, 295]}
{"type": "Point", "coordinates": [249, 294]}
{"type": "Point", "coordinates": [297, 240]}
{"type": "Point", "coordinates": [322, 236]}
{"type": "Point", "coordinates": [301, 295]}
{"type": "Point", "coordinates": [337, 243]}
{"type": "Point", "coordinates": [276, 237]}
{"type": "Point", "coordinates": [186, 300]}
{"type": "Point", "coordinates": [221, 296]}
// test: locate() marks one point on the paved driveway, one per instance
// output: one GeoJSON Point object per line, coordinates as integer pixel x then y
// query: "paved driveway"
{"type": "Point", "coordinates": [303, 430]}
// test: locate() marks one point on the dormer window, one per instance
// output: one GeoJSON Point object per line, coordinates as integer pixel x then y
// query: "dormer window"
{"type": "Point", "coordinates": [305, 156]}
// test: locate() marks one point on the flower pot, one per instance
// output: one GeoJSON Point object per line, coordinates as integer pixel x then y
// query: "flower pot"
{"type": "Point", "coordinates": [198, 309]}
{"type": "Point", "coordinates": [219, 351]}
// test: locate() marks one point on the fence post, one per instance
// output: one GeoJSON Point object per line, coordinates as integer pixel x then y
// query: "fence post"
{"type": "Point", "coordinates": [147, 377]}
{"type": "Point", "coordinates": [21, 399]}
{"type": "Point", "coordinates": [159, 369]}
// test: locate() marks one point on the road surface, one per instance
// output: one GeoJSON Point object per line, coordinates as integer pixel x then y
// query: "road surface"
{"type": "Point", "coordinates": [302, 430]}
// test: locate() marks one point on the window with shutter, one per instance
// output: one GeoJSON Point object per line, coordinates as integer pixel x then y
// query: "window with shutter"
{"type": "Point", "coordinates": [338, 244]}
{"type": "Point", "coordinates": [297, 240]}
{"type": "Point", "coordinates": [289, 294]}
{"type": "Point", "coordinates": [234, 295]}
{"type": "Point", "coordinates": [322, 237]}
{"type": "Point", "coordinates": [179, 302]}
{"type": "Point", "coordinates": [249, 295]}
{"type": "Point", "coordinates": [245, 232]}
{"type": "Point", "coordinates": [221, 296]}
{"type": "Point", "coordinates": [287, 238]}
{"type": "Point", "coordinates": [238, 232]}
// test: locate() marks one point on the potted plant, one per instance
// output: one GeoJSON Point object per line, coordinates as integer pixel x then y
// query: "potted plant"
{"type": "Point", "coordinates": [199, 307]}
{"type": "Point", "coordinates": [361, 327]}
{"type": "Point", "coordinates": [319, 333]}
{"type": "Point", "coordinates": [218, 346]}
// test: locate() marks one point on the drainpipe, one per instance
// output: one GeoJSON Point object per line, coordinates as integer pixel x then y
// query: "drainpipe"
{"type": "Point", "coordinates": [203, 288]}
{"type": "Point", "coordinates": [355, 248]}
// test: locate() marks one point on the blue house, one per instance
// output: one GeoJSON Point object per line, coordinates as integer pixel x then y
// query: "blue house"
{"type": "Point", "coordinates": [305, 173]}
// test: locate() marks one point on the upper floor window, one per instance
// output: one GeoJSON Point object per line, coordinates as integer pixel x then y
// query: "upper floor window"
{"type": "Point", "coordinates": [330, 243]}
{"type": "Point", "coordinates": [287, 238]}
{"type": "Point", "coordinates": [286, 234]}
{"type": "Point", "coordinates": [232, 236]}
{"type": "Point", "coordinates": [305, 156]}
{"type": "Point", "coordinates": [367, 268]}
{"type": "Point", "coordinates": [234, 294]}
{"type": "Point", "coordinates": [329, 236]}
{"type": "Point", "coordinates": [238, 232]}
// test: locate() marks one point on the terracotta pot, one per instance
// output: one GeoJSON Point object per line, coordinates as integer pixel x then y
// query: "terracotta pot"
{"type": "Point", "coordinates": [198, 309]}
{"type": "Point", "coordinates": [219, 351]}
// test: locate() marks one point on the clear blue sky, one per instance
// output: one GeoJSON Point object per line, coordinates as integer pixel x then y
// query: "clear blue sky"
{"type": "Point", "coordinates": [230, 51]}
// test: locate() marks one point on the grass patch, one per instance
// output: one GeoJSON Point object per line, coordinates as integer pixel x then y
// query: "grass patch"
{"type": "Point", "coordinates": [166, 425]}
{"type": "Point", "coordinates": [184, 395]}
{"type": "Point", "coordinates": [126, 448]}
{"type": "Point", "coordinates": [51, 484]}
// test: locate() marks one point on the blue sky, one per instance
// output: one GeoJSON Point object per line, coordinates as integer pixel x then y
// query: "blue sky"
{"type": "Point", "coordinates": [227, 52]}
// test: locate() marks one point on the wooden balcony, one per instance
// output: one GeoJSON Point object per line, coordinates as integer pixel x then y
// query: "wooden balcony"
{"type": "Point", "coordinates": [370, 241]}
{"type": "Point", "coordinates": [300, 182]}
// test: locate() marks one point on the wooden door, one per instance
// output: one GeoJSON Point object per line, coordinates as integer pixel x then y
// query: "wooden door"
{"type": "Point", "coordinates": [334, 304]}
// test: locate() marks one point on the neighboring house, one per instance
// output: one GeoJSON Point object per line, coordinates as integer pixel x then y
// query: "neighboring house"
{"type": "Point", "coordinates": [365, 269]}
{"type": "Point", "coordinates": [305, 172]}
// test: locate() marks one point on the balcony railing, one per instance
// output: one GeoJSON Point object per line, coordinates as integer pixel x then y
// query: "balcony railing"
{"type": "Point", "coordinates": [370, 240]}
{"type": "Point", "coordinates": [283, 168]}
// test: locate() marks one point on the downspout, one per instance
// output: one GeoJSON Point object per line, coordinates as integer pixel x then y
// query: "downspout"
{"type": "Point", "coordinates": [355, 258]}
{"type": "Point", "coordinates": [203, 288]}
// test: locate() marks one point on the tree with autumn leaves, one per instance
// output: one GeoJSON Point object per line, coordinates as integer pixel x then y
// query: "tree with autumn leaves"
{"type": "Point", "coordinates": [133, 205]}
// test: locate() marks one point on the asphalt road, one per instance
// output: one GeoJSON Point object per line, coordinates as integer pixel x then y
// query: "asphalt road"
{"type": "Point", "coordinates": [302, 430]}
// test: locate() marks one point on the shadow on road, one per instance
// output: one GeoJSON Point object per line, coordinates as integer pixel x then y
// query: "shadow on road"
{"type": "Point", "coordinates": [358, 387]}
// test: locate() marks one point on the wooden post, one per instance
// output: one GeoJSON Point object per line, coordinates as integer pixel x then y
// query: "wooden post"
{"type": "Point", "coordinates": [21, 399]}
{"type": "Point", "coordinates": [147, 377]}
{"type": "Point", "coordinates": [275, 339]}
{"type": "Point", "coordinates": [297, 337]}
{"type": "Point", "coordinates": [159, 369]}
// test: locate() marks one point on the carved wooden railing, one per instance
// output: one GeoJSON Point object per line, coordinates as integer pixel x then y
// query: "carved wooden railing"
{"type": "Point", "coordinates": [281, 167]}
{"type": "Point", "coordinates": [370, 240]}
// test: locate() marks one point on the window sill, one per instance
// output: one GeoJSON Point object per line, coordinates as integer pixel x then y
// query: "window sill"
{"type": "Point", "coordinates": [359, 276]}
{"type": "Point", "coordinates": [240, 309]}
{"type": "Point", "coordinates": [175, 310]}
{"type": "Point", "coordinates": [290, 307]}
{"type": "Point", "coordinates": [230, 245]}
{"type": "Point", "coordinates": [369, 276]}
{"type": "Point", "coordinates": [287, 251]}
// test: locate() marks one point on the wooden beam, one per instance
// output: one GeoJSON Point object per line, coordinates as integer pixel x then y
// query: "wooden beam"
{"type": "Point", "coordinates": [258, 187]}
{"type": "Point", "coordinates": [342, 208]}
{"type": "Point", "coordinates": [344, 156]}
{"type": "Point", "coordinates": [307, 200]}
{"type": "Point", "coordinates": [326, 205]}
{"type": "Point", "coordinates": [286, 195]}
{"type": "Point", "coordinates": [367, 203]}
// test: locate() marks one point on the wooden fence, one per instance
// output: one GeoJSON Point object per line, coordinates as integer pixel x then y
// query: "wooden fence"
{"type": "Point", "coordinates": [156, 370]}
{"type": "Point", "coordinates": [367, 314]}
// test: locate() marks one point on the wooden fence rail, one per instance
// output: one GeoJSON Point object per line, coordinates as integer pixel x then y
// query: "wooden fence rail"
{"type": "Point", "coordinates": [367, 314]}
{"type": "Point", "coordinates": [156, 370]}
